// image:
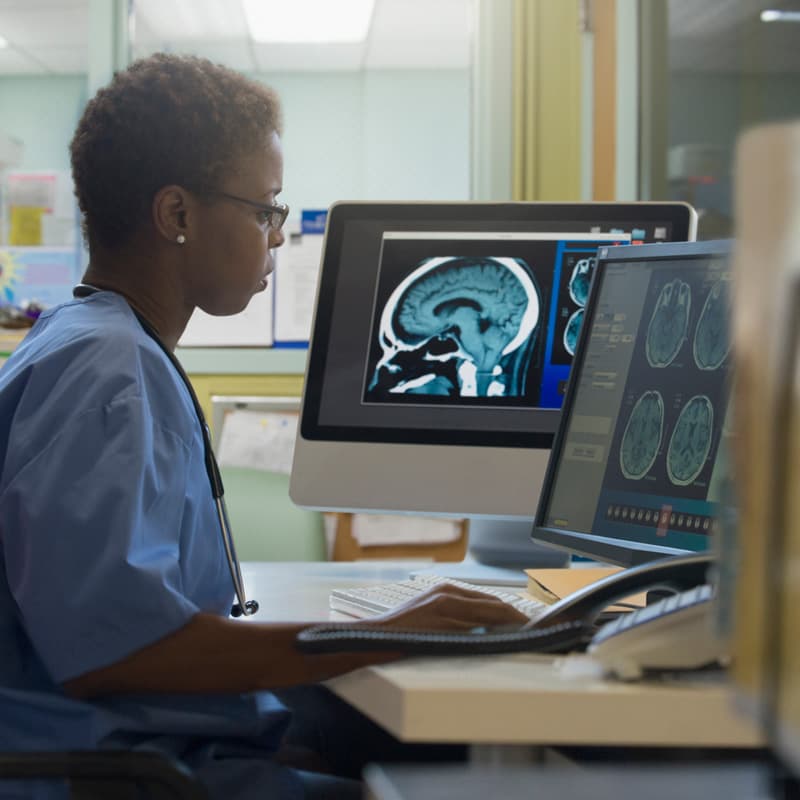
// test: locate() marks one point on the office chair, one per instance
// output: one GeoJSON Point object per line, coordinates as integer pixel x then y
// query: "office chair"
{"type": "Point", "coordinates": [93, 775]}
{"type": "Point", "coordinates": [266, 524]}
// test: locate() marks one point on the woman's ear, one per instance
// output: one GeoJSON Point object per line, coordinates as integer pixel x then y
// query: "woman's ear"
{"type": "Point", "coordinates": [171, 212]}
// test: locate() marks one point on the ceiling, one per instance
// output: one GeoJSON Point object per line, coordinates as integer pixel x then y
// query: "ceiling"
{"type": "Point", "coordinates": [50, 36]}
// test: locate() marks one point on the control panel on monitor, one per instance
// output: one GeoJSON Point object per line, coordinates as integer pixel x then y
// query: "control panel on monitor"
{"type": "Point", "coordinates": [441, 348]}
{"type": "Point", "coordinates": [638, 468]}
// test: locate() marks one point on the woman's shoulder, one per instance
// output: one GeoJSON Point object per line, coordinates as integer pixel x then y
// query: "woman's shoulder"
{"type": "Point", "coordinates": [93, 350]}
{"type": "Point", "coordinates": [92, 365]}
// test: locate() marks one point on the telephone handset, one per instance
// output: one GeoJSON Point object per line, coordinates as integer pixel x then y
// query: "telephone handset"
{"type": "Point", "coordinates": [567, 625]}
{"type": "Point", "coordinates": [672, 574]}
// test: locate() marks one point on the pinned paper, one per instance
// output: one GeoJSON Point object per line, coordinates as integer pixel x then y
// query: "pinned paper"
{"type": "Point", "coordinates": [251, 327]}
{"type": "Point", "coordinates": [259, 440]}
{"type": "Point", "coordinates": [296, 277]}
{"type": "Point", "coordinates": [371, 530]}
{"type": "Point", "coordinates": [25, 229]}
{"type": "Point", "coordinates": [40, 208]}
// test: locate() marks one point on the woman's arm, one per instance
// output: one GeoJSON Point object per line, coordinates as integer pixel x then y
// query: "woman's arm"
{"type": "Point", "coordinates": [214, 654]}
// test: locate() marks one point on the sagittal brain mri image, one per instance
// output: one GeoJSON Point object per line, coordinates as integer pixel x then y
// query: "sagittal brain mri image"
{"type": "Point", "coordinates": [691, 441]}
{"type": "Point", "coordinates": [459, 327]}
{"type": "Point", "coordinates": [711, 339]}
{"type": "Point", "coordinates": [572, 331]}
{"type": "Point", "coordinates": [667, 329]}
{"type": "Point", "coordinates": [642, 436]}
{"type": "Point", "coordinates": [580, 280]}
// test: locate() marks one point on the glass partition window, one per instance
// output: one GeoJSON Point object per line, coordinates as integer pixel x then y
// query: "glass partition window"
{"type": "Point", "coordinates": [709, 71]}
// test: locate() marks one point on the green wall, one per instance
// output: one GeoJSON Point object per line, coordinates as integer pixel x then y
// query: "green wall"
{"type": "Point", "coordinates": [382, 135]}
{"type": "Point", "coordinates": [42, 112]}
{"type": "Point", "coordinates": [351, 135]}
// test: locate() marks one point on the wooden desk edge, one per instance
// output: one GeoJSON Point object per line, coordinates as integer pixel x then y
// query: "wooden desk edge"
{"type": "Point", "coordinates": [668, 715]}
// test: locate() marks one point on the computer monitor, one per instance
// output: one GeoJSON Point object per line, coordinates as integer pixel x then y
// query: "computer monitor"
{"type": "Point", "coordinates": [440, 351]}
{"type": "Point", "coordinates": [636, 471]}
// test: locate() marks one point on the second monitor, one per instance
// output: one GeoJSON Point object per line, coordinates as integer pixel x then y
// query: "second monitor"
{"type": "Point", "coordinates": [441, 348]}
{"type": "Point", "coordinates": [646, 424]}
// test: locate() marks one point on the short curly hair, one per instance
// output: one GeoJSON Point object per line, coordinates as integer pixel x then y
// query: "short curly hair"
{"type": "Point", "coordinates": [166, 119]}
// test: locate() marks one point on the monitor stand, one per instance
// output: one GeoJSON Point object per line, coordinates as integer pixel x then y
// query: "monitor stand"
{"type": "Point", "coordinates": [499, 553]}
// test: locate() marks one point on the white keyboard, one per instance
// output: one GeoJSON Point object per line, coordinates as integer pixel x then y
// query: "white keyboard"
{"type": "Point", "coordinates": [367, 601]}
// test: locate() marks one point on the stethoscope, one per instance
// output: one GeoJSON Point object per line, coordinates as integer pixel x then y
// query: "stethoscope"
{"type": "Point", "coordinates": [243, 606]}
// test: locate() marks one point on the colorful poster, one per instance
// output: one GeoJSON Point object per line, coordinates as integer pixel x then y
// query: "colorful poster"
{"type": "Point", "coordinates": [41, 275]}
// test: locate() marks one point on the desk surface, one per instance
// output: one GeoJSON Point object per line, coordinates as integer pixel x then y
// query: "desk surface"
{"type": "Point", "coordinates": [688, 781]}
{"type": "Point", "coordinates": [512, 699]}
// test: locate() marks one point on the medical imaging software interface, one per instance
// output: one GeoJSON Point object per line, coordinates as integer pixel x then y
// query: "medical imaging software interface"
{"type": "Point", "coordinates": [452, 332]}
{"type": "Point", "coordinates": [651, 407]}
{"type": "Point", "coordinates": [476, 319]}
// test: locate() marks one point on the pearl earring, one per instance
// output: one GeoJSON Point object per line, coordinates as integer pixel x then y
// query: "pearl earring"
{"type": "Point", "coordinates": [181, 239]}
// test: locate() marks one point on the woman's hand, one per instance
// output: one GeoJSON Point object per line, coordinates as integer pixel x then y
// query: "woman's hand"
{"type": "Point", "coordinates": [445, 607]}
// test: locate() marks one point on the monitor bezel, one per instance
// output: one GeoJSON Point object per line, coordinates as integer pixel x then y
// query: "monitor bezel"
{"type": "Point", "coordinates": [617, 551]}
{"type": "Point", "coordinates": [681, 216]}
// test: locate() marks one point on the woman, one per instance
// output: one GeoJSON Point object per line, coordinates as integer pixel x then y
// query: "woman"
{"type": "Point", "coordinates": [114, 589]}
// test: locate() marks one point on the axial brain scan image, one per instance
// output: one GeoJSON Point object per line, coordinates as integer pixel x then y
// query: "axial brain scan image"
{"type": "Point", "coordinates": [711, 339]}
{"type": "Point", "coordinates": [642, 436]}
{"type": "Point", "coordinates": [461, 326]}
{"type": "Point", "coordinates": [572, 331]}
{"type": "Point", "coordinates": [580, 280]}
{"type": "Point", "coordinates": [667, 329]}
{"type": "Point", "coordinates": [691, 441]}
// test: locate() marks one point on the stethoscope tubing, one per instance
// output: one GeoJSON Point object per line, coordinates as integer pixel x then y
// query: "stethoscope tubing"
{"type": "Point", "coordinates": [243, 607]}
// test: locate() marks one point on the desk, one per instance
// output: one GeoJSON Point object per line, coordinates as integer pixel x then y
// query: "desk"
{"type": "Point", "coordinates": [517, 699]}
{"type": "Point", "coordinates": [688, 781]}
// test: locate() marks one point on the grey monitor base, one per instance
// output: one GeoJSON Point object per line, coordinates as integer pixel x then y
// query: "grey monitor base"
{"type": "Point", "coordinates": [499, 553]}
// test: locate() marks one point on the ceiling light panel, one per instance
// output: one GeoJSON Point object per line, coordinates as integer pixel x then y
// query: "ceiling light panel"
{"type": "Point", "coordinates": [774, 15]}
{"type": "Point", "coordinates": [308, 20]}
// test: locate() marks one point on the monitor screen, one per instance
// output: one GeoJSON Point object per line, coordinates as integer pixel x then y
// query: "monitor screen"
{"type": "Point", "coordinates": [646, 410]}
{"type": "Point", "coordinates": [441, 348]}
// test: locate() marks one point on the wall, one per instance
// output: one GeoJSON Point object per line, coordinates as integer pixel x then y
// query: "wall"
{"type": "Point", "coordinates": [42, 112]}
{"type": "Point", "coordinates": [378, 135]}
{"type": "Point", "coordinates": [366, 136]}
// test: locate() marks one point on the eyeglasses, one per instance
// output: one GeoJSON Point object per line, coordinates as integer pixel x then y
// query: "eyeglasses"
{"type": "Point", "coordinates": [274, 213]}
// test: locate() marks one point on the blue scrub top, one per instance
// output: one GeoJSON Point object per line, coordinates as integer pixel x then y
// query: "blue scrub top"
{"type": "Point", "coordinates": [109, 538]}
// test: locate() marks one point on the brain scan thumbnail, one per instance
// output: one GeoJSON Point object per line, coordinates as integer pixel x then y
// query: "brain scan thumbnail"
{"type": "Point", "coordinates": [642, 437]}
{"type": "Point", "coordinates": [458, 326]}
{"type": "Point", "coordinates": [572, 331]}
{"type": "Point", "coordinates": [691, 441]}
{"type": "Point", "coordinates": [580, 280]}
{"type": "Point", "coordinates": [667, 329]}
{"type": "Point", "coordinates": [711, 339]}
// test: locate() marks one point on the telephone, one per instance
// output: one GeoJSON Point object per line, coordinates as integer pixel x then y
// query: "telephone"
{"type": "Point", "coordinates": [673, 633]}
{"type": "Point", "coordinates": [570, 624]}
